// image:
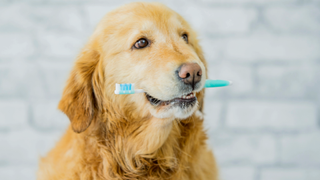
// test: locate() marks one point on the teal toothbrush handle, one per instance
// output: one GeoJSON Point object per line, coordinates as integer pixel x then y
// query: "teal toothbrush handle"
{"type": "Point", "coordinates": [216, 83]}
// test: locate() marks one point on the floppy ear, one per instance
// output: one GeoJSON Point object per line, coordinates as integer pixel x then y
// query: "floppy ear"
{"type": "Point", "coordinates": [79, 100]}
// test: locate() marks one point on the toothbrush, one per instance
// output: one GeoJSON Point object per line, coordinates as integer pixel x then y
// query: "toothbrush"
{"type": "Point", "coordinates": [129, 88]}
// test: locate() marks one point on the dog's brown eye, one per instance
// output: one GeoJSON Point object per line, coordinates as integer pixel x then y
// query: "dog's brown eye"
{"type": "Point", "coordinates": [185, 37]}
{"type": "Point", "coordinates": [141, 43]}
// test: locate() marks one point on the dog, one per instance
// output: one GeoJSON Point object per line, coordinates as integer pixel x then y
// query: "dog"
{"type": "Point", "coordinates": [154, 135]}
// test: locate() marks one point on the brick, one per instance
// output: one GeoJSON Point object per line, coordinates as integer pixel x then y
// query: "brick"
{"type": "Point", "coordinates": [18, 172]}
{"type": "Point", "coordinates": [301, 149]}
{"type": "Point", "coordinates": [45, 115]}
{"type": "Point", "coordinates": [271, 115]}
{"type": "Point", "coordinates": [34, 83]}
{"type": "Point", "coordinates": [294, 18]}
{"type": "Point", "coordinates": [290, 173]}
{"type": "Point", "coordinates": [240, 75]}
{"type": "Point", "coordinates": [31, 80]}
{"type": "Point", "coordinates": [212, 114]}
{"type": "Point", "coordinates": [288, 81]}
{"type": "Point", "coordinates": [243, 149]}
{"type": "Point", "coordinates": [66, 19]}
{"type": "Point", "coordinates": [18, 20]}
{"type": "Point", "coordinates": [212, 50]}
{"type": "Point", "coordinates": [94, 13]}
{"type": "Point", "coordinates": [250, 1]}
{"type": "Point", "coordinates": [13, 114]}
{"type": "Point", "coordinates": [12, 80]}
{"type": "Point", "coordinates": [45, 80]}
{"type": "Point", "coordinates": [20, 79]}
{"type": "Point", "coordinates": [65, 45]}
{"type": "Point", "coordinates": [39, 18]}
{"type": "Point", "coordinates": [204, 19]}
{"type": "Point", "coordinates": [209, 20]}
{"type": "Point", "coordinates": [16, 45]}
{"type": "Point", "coordinates": [266, 47]}
{"type": "Point", "coordinates": [237, 172]}
{"type": "Point", "coordinates": [24, 147]}
{"type": "Point", "coordinates": [54, 77]}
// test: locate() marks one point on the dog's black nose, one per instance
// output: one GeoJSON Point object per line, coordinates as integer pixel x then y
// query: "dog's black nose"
{"type": "Point", "coordinates": [190, 73]}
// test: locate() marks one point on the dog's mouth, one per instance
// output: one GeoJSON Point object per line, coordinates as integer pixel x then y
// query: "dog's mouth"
{"type": "Point", "coordinates": [183, 101]}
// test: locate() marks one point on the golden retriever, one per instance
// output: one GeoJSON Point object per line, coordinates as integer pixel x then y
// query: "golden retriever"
{"type": "Point", "coordinates": [153, 135]}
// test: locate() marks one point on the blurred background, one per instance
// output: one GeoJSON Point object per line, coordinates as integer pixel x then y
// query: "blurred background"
{"type": "Point", "coordinates": [265, 127]}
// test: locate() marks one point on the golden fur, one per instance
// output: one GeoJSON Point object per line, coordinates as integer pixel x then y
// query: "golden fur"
{"type": "Point", "coordinates": [123, 136]}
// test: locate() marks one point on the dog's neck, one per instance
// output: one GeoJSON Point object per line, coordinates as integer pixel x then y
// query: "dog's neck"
{"type": "Point", "coordinates": [143, 148]}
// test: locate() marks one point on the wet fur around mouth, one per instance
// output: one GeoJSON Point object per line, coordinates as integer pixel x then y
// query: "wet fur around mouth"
{"type": "Point", "coordinates": [178, 101]}
{"type": "Point", "coordinates": [183, 103]}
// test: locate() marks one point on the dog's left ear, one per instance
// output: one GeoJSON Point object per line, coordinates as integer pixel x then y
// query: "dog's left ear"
{"type": "Point", "coordinates": [82, 95]}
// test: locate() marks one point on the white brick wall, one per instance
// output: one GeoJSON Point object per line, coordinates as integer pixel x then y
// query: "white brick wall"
{"type": "Point", "coordinates": [264, 127]}
{"type": "Point", "coordinates": [237, 173]}
{"type": "Point", "coordinates": [18, 172]}
{"type": "Point", "coordinates": [295, 173]}
{"type": "Point", "coordinates": [16, 45]}
{"type": "Point", "coordinates": [268, 47]}
{"type": "Point", "coordinates": [8, 72]}
{"type": "Point", "coordinates": [301, 149]}
{"type": "Point", "coordinates": [55, 75]}
{"type": "Point", "coordinates": [25, 147]}
{"type": "Point", "coordinates": [263, 2]}
{"type": "Point", "coordinates": [212, 115]}
{"type": "Point", "coordinates": [54, 44]}
{"type": "Point", "coordinates": [94, 13]}
{"type": "Point", "coordinates": [13, 114]}
{"type": "Point", "coordinates": [272, 115]}
{"type": "Point", "coordinates": [241, 75]}
{"type": "Point", "coordinates": [246, 149]}
{"type": "Point", "coordinates": [46, 116]}
{"type": "Point", "coordinates": [295, 81]}
{"type": "Point", "coordinates": [219, 20]}
{"type": "Point", "coordinates": [294, 19]}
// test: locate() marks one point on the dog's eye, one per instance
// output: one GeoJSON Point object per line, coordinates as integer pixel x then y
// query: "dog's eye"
{"type": "Point", "coordinates": [185, 37]}
{"type": "Point", "coordinates": [141, 43]}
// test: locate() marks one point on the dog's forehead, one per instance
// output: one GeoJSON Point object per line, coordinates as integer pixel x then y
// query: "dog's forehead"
{"type": "Point", "coordinates": [171, 22]}
{"type": "Point", "coordinates": [163, 28]}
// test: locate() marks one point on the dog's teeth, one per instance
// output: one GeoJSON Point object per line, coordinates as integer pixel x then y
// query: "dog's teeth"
{"type": "Point", "coordinates": [188, 96]}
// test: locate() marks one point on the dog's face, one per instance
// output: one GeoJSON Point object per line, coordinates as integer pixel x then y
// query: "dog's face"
{"type": "Point", "coordinates": [153, 47]}
{"type": "Point", "coordinates": [155, 50]}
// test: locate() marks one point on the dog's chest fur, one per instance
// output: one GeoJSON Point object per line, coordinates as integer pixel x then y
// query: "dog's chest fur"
{"type": "Point", "coordinates": [98, 155]}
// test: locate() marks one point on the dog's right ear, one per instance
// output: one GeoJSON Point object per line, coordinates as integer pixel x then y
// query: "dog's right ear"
{"type": "Point", "coordinates": [81, 98]}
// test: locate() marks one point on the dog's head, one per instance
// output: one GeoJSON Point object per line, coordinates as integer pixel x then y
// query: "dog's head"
{"type": "Point", "coordinates": [146, 44]}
